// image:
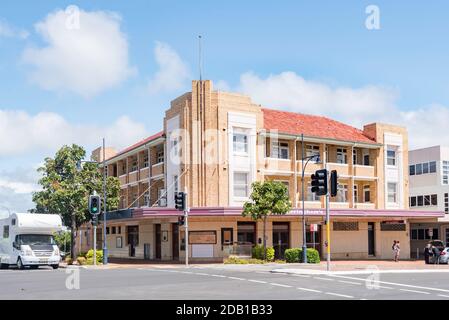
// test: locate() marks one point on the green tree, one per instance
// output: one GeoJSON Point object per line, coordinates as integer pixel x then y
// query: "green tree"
{"type": "Point", "coordinates": [267, 198]}
{"type": "Point", "coordinates": [65, 190]}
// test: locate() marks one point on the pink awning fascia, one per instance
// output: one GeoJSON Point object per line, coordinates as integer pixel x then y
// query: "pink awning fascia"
{"type": "Point", "coordinates": [237, 211]}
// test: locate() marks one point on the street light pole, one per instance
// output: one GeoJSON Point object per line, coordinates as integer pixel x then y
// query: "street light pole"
{"type": "Point", "coordinates": [105, 242]}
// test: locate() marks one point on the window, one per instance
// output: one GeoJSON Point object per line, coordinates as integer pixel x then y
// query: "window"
{"type": "Point", "coordinates": [432, 167]}
{"type": "Point", "coordinates": [345, 226]}
{"type": "Point", "coordinates": [356, 194]}
{"type": "Point", "coordinates": [425, 168]}
{"type": "Point", "coordinates": [246, 233]}
{"type": "Point", "coordinates": [312, 150]}
{"type": "Point", "coordinates": [366, 159]}
{"type": "Point", "coordinates": [420, 201]}
{"type": "Point", "coordinates": [392, 192]}
{"type": "Point", "coordinates": [134, 165]}
{"type": "Point", "coordinates": [445, 172]}
{"type": "Point", "coordinates": [342, 193]}
{"type": "Point", "coordinates": [391, 156]}
{"type": "Point", "coordinates": [107, 230]}
{"type": "Point", "coordinates": [285, 183]}
{"type": "Point", "coordinates": [240, 142]}
{"type": "Point", "coordinates": [160, 156]}
{"type": "Point", "coordinates": [279, 150]}
{"type": "Point", "coordinates": [341, 156]}
{"type": "Point", "coordinates": [423, 234]}
{"type": "Point", "coordinates": [119, 242]}
{"type": "Point", "coordinates": [146, 199]}
{"type": "Point", "coordinates": [418, 169]}
{"type": "Point", "coordinates": [5, 232]}
{"type": "Point", "coordinates": [366, 194]}
{"type": "Point", "coordinates": [433, 200]}
{"type": "Point", "coordinates": [412, 201]}
{"type": "Point", "coordinates": [119, 230]}
{"type": "Point", "coordinates": [427, 200]}
{"type": "Point", "coordinates": [446, 203]}
{"type": "Point", "coordinates": [311, 196]}
{"type": "Point", "coordinates": [240, 184]}
{"type": "Point", "coordinates": [13, 222]}
{"type": "Point", "coordinates": [354, 156]}
{"type": "Point", "coordinates": [226, 236]}
{"type": "Point", "coordinates": [175, 146]}
{"type": "Point", "coordinates": [145, 161]}
{"type": "Point", "coordinates": [411, 170]}
{"type": "Point", "coordinates": [114, 230]}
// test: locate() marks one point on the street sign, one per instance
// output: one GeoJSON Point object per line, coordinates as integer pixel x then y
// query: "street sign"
{"type": "Point", "coordinates": [313, 227]}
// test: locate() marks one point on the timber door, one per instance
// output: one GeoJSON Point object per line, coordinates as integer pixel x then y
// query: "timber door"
{"type": "Point", "coordinates": [371, 241]}
{"type": "Point", "coordinates": [133, 239]}
{"type": "Point", "coordinates": [158, 241]}
{"type": "Point", "coordinates": [281, 238]}
{"type": "Point", "coordinates": [175, 242]}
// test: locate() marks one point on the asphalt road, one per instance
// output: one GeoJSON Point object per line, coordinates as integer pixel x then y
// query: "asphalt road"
{"type": "Point", "coordinates": [215, 283]}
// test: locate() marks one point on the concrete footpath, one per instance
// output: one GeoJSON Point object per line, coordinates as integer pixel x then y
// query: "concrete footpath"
{"type": "Point", "coordinates": [336, 267]}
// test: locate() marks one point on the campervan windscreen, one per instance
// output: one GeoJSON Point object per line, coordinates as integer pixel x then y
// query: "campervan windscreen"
{"type": "Point", "coordinates": [35, 239]}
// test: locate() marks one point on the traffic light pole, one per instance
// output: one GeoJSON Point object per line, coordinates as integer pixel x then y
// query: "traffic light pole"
{"type": "Point", "coordinates": [186, 216]}
{"type": "Point", "coordinates": [328, 226]}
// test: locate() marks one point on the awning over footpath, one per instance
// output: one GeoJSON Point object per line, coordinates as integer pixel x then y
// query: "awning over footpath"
{"type": "Point", "coordinates": [237, 211]}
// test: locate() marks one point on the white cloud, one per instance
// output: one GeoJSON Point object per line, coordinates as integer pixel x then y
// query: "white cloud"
{"type": "Point", "coordinates": [8, 31]}
{"type": "Point", "coordinates": [84, 56]}
{"type": "Point", "coordinates": [22, 133]}
{"type": "Point", "coordinates": [427, 125]}
{"type": "Point", "coordinates": [173, 72]}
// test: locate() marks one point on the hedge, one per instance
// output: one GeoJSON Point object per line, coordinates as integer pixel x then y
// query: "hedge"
{"type": "Point", "coordinates": [258, 253]}
{"type": "Point", "coordinates": [295, 255]}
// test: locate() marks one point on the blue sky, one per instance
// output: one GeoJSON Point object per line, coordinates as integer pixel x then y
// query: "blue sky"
{"type": "Point", "coordinates": [315, 48]}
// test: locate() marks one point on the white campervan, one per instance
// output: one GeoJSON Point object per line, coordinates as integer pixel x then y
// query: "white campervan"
{"type": "Point", "coordinates": [26, 239]}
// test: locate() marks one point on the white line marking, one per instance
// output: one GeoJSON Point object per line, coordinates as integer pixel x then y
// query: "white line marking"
{"type": "Point", "coordinates": [415, 291]}
{"type": "Point", "coordinates": [280, 285]}
{"type": "Point", "coordinates": [325, 279]}
{"type": "Point", "coordinates": [187, 272]}
{"type": "Point", "coordinates": [301, 275]}
{"type": "Point", "coordinates": [339, 295]}
{"type": "Point", "coordinates": [218, 275]}
{"type": "Point", "coordinates": [393, 283]}
{"type": "Point", "coordinates": [442, 295]}
{"type": "Point", "coordinates": [311, 290]}
{"type": "Point", "coordinates": [263, 272]}
{"type": "Point", "coordinates": [349, 282]}
{"type": "Point", "coordinates": [257, 281]}
{"type": "Point", "coordinates": [202, 274]}
{"type": "Point", "coordinates": [235, 278]}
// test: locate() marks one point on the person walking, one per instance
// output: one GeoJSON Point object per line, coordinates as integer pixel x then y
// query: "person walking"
{"type": "Point", "coordinates": [427, 253]}
{"type": "Point", "coordinates": [396, 250]}
{"type": "Point", "coordinates": [436, 255]}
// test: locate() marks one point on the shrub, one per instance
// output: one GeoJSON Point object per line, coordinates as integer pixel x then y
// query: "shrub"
{"type": "Point", "coordinates": [258, 253]}
{"type": "Point", "coordinates": [280, 261]}
{"type": "Point", "coordinates": [90, 255]}
{"type": "Point", "coordinates": [237, 260]}
{"type": "Point", "coordinates": [81, 261]}
{"type": "Point", "coordinates": [295, 255]}
{"type": "Point", "coordinates": [69, 261]}
{"type": "Point", "coordinates": [82, 254]}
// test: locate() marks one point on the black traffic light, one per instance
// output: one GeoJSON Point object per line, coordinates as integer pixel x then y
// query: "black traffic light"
{"type": "Point", "coordinates": [94, 205]}
{"type": "Point", "coordinates": [181, 220]}
{"type": "Point", "coordinates": [334, 183]}
{"type": "Point", "coordinates": [180, 201]}
{"type": "Point", "coordinates": [319, 182]}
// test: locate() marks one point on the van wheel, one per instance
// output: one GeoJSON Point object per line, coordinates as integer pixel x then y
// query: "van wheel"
{"type": "Point", "coordinates": [4, 266]}
{"type": "Point", "coordinates": [20, 264]}
{"type": "Point", "coordinates": [34, 267]}
{"type": "Point", "coordinates": [55, 266]}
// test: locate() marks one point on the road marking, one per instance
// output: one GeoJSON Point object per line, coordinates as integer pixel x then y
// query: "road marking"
{"type": "Point", "coordinates": [442, 295]}
{"type": "Point", "coordinates": [349, 282]}
{"type": "Point", "coordinates": [415, 291]}
{"type": "Point", "coordinates": [339, 295]}
{"type": "Point", "coordinates": [201, 273]}
{"type": "Point", "coordinates": [307, 289]}
{"type": "Point", "coordinates": [257, 281]}
{"type": "Point", "coordinates": [218, 276]}
{"type": "Point", "coordinates": [301, 275]}
{"type": "Point", "coordinates": [280, 285]}
{"type": "Point", "coordinates": [375, 282]}
{"type": "Point", "coordinates": [236, 278]}
{"type": "Point", "coordinates": [263, 272]}
{"type": "Point", "coordinates": [187, 272]}
{"type": "Point", "coordinates": [325, 279]}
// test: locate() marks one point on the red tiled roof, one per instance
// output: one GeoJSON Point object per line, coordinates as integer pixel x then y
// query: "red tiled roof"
{"type": "Point", "coordinates": [312, 126]}
{"type": "Point", "coordinates": [138, 144]}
